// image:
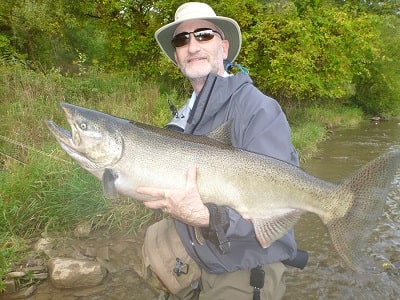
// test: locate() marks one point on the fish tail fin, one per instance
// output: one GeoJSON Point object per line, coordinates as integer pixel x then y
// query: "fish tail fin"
{"type": "Point", "coordinates": [356, 205]}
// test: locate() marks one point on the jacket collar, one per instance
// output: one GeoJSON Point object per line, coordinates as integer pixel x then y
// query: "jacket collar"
{"type": "Point", "coordinates": [214, 97]}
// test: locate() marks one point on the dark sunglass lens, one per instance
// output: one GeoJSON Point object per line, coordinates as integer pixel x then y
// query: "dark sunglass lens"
{"type": "Point", "coordinates": [204, 35]}
{"type": "Point", "coordinates": [201, 34]}
{"type": "Point", "coordinates": [180, 39]}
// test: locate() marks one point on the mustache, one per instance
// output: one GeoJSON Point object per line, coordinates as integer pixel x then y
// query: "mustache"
{"type": "Point", "coordinates": [196, 57]}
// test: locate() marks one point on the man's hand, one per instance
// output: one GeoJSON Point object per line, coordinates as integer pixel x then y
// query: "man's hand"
{"type": "Point", "coordinates": [182, 204]}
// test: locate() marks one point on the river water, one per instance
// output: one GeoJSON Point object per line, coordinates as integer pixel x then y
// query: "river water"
{"type": "Point", "coordinates": [324, 277]}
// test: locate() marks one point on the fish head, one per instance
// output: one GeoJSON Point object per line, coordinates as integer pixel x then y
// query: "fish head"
{"type": "Point", "coordinates": [94, 140]}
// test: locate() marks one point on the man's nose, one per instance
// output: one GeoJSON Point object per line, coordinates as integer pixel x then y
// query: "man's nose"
{"type": "Point", "coordinates": [193, 45]}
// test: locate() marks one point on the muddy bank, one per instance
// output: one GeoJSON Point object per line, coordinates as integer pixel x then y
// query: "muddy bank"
{"type": "Point", "coordinates": [117, 252]}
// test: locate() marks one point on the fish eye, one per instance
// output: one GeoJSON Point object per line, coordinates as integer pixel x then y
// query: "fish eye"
{"type": "Point", "coordinates": [83, 126]}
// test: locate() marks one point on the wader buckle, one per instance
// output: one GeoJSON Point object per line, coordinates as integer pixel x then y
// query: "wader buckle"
{"type": "Point", "coordinates": [180, 267]}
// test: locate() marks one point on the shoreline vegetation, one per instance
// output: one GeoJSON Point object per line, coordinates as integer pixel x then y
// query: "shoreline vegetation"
{"type": "Point", "coordinates": [42, 190]}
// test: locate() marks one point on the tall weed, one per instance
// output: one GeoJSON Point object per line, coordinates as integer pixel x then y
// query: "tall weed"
{"type": "Point", "coordinates": [41, 188]}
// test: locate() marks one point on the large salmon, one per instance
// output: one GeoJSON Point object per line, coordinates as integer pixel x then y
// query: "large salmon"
{"type": "Point", "coordinates": [271, 193]}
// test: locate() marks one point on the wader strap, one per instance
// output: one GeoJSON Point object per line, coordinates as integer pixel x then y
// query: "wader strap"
{"type": "Point", "coordinates": [219, 223]}
{"type": "Point", "coordinates": [257, 277]}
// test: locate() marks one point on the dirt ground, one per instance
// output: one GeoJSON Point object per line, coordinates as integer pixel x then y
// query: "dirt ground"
{"type": "Point", "coordinates": [122, 260]}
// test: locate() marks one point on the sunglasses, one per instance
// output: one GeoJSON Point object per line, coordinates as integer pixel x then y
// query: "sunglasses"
{"type": "Point", "coordinates": [201, 35]}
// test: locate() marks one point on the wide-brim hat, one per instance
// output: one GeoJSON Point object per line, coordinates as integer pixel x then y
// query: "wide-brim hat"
{"type": "Point", "coordinates": [199, 11]}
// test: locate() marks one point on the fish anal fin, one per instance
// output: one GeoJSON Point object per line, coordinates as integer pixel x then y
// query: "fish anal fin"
{"type": "Point", "coordinates": [108, 180]}
{"type": "Point", "coordinates": [271, 228]}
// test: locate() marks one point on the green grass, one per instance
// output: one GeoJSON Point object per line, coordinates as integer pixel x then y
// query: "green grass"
{"type": "Point", "coordinates": [311, 125]}
{"type": "Point", "coordinates": [42, 189]}
{"type": "Point", "coordinates": [12, 247]}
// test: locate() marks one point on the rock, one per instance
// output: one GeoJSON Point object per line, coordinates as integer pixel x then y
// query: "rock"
{"type": "Point", "coordinates": [103, 253]}
{"type": "Point", "coordinates": [36, 269]}
{"type": "Point", "coordinates": [72, 273]}
{"type": "Point", "coordinates": [83, 230]}
{"type": "Point", "coordinates": [28, 291]}
{"type": "Point", "coordinates": [23, 293]}
{"type": "Point", "coordinates": [10, 286]}
{"type": "Point", "coordinates": [40, 276]}
{"type": "Point", "coordinates": [43, 244]}
{"type": "Point", "coordinates": [16, 274]}
{"type": "Point", "coordinates": [91, 251]}
{"type": "Point", "coordinates": [119, 247]}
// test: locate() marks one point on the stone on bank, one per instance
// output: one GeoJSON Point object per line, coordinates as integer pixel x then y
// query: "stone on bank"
{"type": "Point", "coordinates": [73, 273]}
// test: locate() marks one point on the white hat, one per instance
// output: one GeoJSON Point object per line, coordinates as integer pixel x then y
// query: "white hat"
{"type": "Point", "coordinates": [199, 11]}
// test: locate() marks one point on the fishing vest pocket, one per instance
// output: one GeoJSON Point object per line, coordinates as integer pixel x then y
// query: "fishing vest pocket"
{"type": "Point", "coordinates": [165, 256]}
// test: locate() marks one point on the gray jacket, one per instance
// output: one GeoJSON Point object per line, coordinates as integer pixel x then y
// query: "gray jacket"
{"type": "Point", "coordinates": [258, 125]}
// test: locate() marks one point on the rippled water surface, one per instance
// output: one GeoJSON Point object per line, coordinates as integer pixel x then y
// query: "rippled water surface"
{"type": "Point", "coordinates": [324, 277]}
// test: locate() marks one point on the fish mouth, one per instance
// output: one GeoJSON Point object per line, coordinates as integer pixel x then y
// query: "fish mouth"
{"type": "Point", "coordinates": [63, 136]}
{"type": "Point", "coordinates": [65, 139]}
{"type": "Point", "coordinates": [92, 147]}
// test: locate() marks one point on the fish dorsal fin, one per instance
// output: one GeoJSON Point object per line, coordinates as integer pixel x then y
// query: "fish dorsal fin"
{"type": "Point", "coordinates": [222, 133]}
{"type": "Point", "coordinates": [269, 229]}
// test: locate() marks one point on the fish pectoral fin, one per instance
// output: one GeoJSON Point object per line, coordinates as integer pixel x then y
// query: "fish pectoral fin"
{"type": "Point", "coordinates": [274, 227]}
{"type": "Point", "coordinates": [108, 180]}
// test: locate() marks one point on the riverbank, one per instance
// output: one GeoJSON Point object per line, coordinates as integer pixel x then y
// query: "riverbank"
{"type": "Point", "coordinates": [42, 191]}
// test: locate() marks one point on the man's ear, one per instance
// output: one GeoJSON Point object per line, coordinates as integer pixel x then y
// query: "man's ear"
{"type": "Point", "coordinates": [225, 46]}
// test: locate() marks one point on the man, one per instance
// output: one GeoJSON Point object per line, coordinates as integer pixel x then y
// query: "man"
{"type": "Point", "coordinates": [199, 42]}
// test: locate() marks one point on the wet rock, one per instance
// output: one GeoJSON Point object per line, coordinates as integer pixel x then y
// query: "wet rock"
{"type": "Point", "coordinates": [72, 273]}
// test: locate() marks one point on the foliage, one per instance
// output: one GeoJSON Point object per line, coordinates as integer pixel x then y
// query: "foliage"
{"type": "Point", "coordinates": [304, 52]}
{"type": "Point", "coordinates": [377, 88]}
{"type": "Point", "coordinates": [309, 57]}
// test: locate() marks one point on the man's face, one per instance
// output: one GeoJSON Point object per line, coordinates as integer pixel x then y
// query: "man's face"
{"type": "Point", "coordinates": [199, 58]}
